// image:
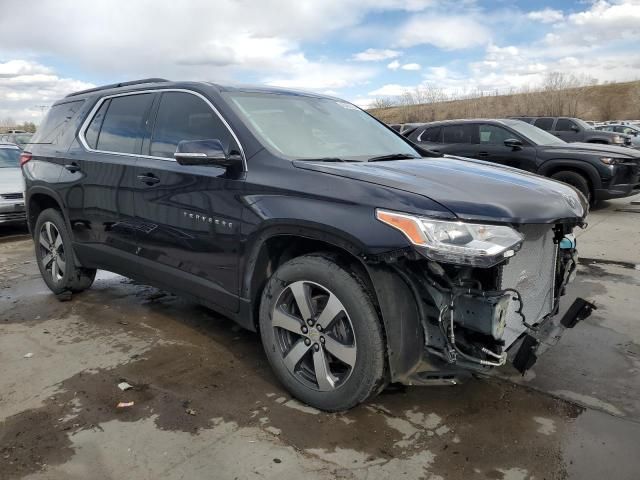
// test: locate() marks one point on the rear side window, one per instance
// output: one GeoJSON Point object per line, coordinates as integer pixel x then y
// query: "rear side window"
{"type": "Point", "coordinates": [123, 127]}
{"type": "Point", "coordinates": [460, 133]}
{"type": "Point", "coordinates": [544, 123]}
{"type": "Point", "coordinates": [565, 125]}
{"type": "Point", "coordinates": [433, 135]}
{"type": "Point", "coordinates": [183, 116]}
{"type": "Point", "coordinates": [54, 124]}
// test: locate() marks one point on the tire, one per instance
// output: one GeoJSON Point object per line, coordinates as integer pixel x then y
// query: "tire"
{"type": "Point", "coordinates": [575, 180]}
{"type": "Point", "coordinates": [350, 347]}
{"type": "Point", "coordinates": [55, 257]}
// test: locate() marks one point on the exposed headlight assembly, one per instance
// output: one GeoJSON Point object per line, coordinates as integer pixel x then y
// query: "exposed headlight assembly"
{"type": "Point", "coordinates": [456, 242]}
{"type": "Point", "coordinates": [617, 139]}
{"type": "Point", "coordinates": [610, 160]}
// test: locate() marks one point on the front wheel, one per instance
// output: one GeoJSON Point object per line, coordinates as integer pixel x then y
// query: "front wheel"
{"type": "Point", "coordinates": [321, 333]}
{"type": "Point", "coordinates": [55, 257]}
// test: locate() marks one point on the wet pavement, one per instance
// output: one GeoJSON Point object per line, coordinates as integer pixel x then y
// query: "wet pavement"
{"type": "Point", "coordinates": [207, 406]}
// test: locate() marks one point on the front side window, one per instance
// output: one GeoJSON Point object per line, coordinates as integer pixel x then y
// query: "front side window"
{"type": "Point", "coordinates": [494, 135]}
{"type": "Point", "coordinates": [565, 125]}
{"type": "Point", "coordinates": [9, 158]}
{"type": "Point", "coordinates": [464, 133]}
{"type": "Point", "coordinates": [306, 127]}
{"type": "Point", "coordinates": [544, 123]}
{"type": "Point", "coordinates": [123, 127]}
{"type": "Point", "coordinates": [183, 116]}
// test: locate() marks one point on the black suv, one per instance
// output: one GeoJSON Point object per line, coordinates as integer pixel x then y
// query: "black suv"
{"type": "Point", "coordinates": [599, 172]}
{"type": "Point", "coordinates": [361, 259]}
{"type": "Point", "coordinates": [576, 130]}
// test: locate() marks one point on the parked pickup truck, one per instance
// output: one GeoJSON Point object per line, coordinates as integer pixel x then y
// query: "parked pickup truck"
{"type": "Point", "coordinates": [576, 130]}
{"type": "Point", "coordinates": [360, 259]}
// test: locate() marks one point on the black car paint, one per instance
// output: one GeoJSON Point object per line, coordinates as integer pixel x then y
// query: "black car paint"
{"type": "Point", "coordinates": [606, 181]}
{"type": "Point", "coordinates": [203, 231]}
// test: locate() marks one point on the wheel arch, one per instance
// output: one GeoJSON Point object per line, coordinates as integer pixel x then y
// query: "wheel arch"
{"type": "Point", "coordinates": [39, 199]}
{"type": "Point", "coordinates": [393, 299]}
{"type": "Point", "coordinates": [551, 167]}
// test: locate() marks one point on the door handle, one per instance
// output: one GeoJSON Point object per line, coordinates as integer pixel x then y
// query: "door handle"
{"type": "Point", "coordinates": [149, 179]}
{"type": "Point", "coordinates": [483, 154]}
{"type": "Point", "coordinates": [72, 167]}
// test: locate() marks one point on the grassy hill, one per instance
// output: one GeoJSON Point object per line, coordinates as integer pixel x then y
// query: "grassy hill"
{"type": "Point", "coordinates": [612, 101]}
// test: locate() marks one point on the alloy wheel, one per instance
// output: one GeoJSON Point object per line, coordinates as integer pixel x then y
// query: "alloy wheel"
{"type": "Point", "coordinates": [52, 255]}
{"type": "Point", "coordinates": [315, 335]}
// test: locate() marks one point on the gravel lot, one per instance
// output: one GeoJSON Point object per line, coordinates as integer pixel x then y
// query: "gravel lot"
{"type": "Point", "coordinates": [207, 406]}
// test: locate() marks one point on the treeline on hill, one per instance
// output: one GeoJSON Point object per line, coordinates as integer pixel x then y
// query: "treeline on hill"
{"type": "Point", "coordinates": [8, 124]}
{"type": "Point", "coordinates": [559, 95]}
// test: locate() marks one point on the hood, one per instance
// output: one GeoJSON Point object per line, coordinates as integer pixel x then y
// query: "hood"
{"type": "Point", "coordinates": [471, 189]}
{"type": "Point", "coordinates": [591, 149]}
{"type": "Point", "coordinates": [11, 180]}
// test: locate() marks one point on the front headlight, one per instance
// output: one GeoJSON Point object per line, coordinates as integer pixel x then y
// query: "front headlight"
{"type": "Point", "coordinates": [609, 160]}
{"type": "Point", "coordinates": [454, 241]}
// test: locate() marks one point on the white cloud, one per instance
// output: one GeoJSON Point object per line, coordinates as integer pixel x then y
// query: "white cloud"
{"type": "Point", "coordinates": [449, 32]}
{"type": "Point", "coordinates": [374, 55]}
{"type": "Point", "coordinates": [390, 90]}
{"type": "Point", "coordinates": [411, 66]}
{"type": "Point", "coordinates": [27, 86]}
{"type": "Point", "coordinates": [547, 15]}
{"type": "Point", "coordinates": [394, 65]}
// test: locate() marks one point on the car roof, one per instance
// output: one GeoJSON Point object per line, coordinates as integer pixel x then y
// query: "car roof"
{"type": "Point", "coordinates": [160, 83]}
{"type": "Point", "coordinates": [503, 121]}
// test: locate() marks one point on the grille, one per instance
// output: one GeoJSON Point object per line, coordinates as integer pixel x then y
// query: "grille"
{"type": "Point", "coordinates": [532, 273]}
{"type": "Point", "coordinates": [11, 196]}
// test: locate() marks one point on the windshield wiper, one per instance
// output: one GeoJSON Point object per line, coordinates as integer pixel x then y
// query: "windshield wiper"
{"type": "Point", "coordinates": [393, 156]}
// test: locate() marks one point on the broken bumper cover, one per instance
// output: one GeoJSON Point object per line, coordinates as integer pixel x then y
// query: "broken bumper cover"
{"type": "Point", "coordinates": [525, 352]}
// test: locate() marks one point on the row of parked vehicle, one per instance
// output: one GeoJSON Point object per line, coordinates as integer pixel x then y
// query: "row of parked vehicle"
{"type": "Point", "coordinates": [361, 256]}
{"type": "Point", "coordinates": [596, 162]}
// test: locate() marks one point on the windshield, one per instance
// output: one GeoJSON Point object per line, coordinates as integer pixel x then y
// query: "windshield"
{"type": "Point", "coordinates": [305, 127]}
{"type": "Point", "coordinates": [583, 124]}
{"type": "Point", "coordinates": [9, 157]}
{"type": "Point", "coordinates": [534, 134]}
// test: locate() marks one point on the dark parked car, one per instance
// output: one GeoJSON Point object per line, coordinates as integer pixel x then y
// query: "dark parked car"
{"type": "Point", "coordinates": [598, 171]}
{"type": "Point", "coordinates": [11, 186]}
{"type": "Point", "coordinates": [576, 130]}
{"type": "Point", "coordinates": [304, 218]}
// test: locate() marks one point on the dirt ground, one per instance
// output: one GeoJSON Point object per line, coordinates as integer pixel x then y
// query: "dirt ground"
{"type": "Point", "coordinates": [207, 406]}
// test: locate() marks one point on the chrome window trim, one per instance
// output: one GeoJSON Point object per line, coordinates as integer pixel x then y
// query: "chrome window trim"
{"type": "Point", "coordinates": [103, 99]}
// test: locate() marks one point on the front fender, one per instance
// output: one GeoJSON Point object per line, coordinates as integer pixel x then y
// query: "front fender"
{"type": "Point", "coordinates": [576, 165]}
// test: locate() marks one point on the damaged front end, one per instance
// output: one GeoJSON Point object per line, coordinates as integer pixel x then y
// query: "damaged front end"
{"type": "Point", "coordinates": [476, 315]}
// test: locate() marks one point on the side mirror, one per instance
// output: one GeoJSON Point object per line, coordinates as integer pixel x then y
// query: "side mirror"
{"type": "Point", "coordinates": [575, 128]}
{"type": "Point", "coordinates": [513, 143]}
{"type": "Point", "coordinates": [205, 152]}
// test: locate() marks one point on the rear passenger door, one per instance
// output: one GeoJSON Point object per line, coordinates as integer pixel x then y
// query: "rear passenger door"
{"type": "Point", "coordinates": [101, 199]}
{"type": "Point", "coordinates": [568, 130]}
{"type": "Point", "coordinates": [459, 140]}
{"type": "Point", "coordinates": [188, 217]}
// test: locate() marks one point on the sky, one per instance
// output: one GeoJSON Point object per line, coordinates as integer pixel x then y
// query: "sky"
{"type": "Point", "coordinates": [358, 50]}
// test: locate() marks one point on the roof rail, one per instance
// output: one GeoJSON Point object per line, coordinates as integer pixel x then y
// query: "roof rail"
{"type": "Point", "coordinates": [116, 85]}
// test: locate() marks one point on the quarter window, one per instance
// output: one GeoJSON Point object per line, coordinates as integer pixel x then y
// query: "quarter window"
{"type": "Point", "coordinates": [465, 133]}
{"type": "Point", "coordinates": [183, 116]}
{"type": "Point", "coordinates": [124, 126]}
{"type": "Point", "coordinates": [432, 135]}
{"type": "Point", "coordinates": [53, 126]}
{"type": "Point", "coordinates": [565, 125]}
{"type": "Point", "coordinates": [544, 123]}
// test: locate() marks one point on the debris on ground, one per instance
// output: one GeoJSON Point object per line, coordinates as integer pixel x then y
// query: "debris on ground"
{"type": "Point", "coordinates": [28, 355]}
{"type": "Point", "coordinates": [191, 411]}
{"type": "Point", "coordinates": [64, 296]}
{"type": "Point", "coordinates": [124, 386]}
{"type": "Point", "coordinates": [125, 404]}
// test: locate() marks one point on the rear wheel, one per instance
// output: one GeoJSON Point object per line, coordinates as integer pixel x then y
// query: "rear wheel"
{"type": "Point", "coordinates": [55, 257]}
{"type": "Point", "coordinates": [576, 180]}
{"type": "Point", "coordinates": [321, 333]}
